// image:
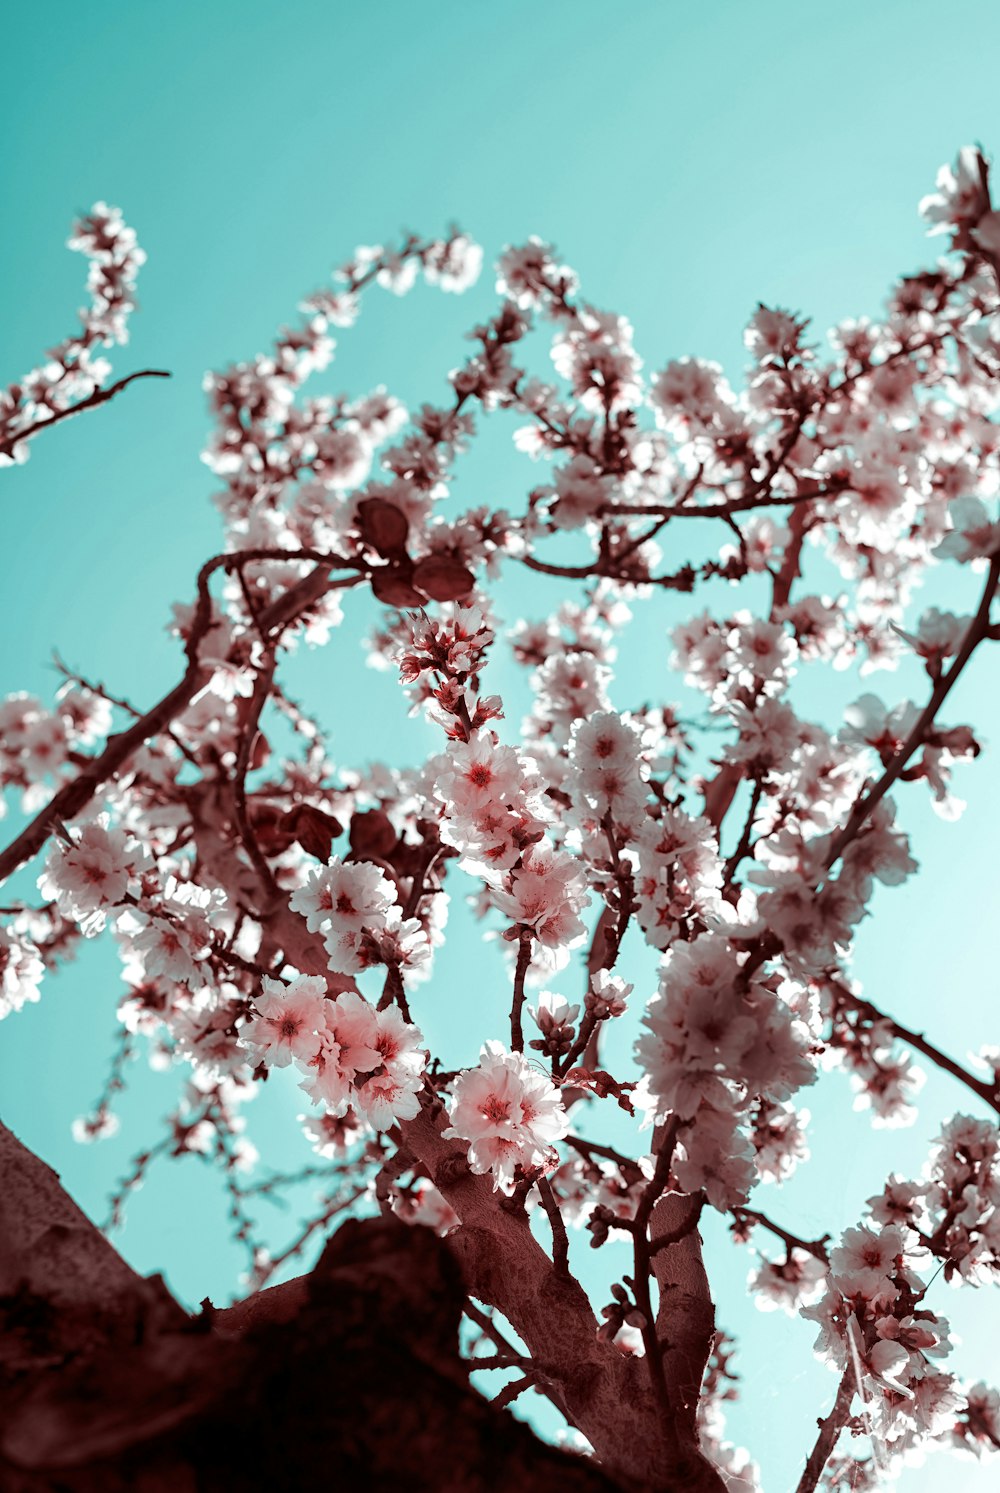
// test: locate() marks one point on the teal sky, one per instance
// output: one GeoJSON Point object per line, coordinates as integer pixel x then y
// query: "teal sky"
{"type": "Point", "coordinates": [688, 160]}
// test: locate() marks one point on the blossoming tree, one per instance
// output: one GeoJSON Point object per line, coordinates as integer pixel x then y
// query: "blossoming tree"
{"type": "Point", "coordinates": [273, 911]}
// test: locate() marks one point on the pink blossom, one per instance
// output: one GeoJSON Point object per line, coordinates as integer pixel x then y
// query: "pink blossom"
{"type": "Point", "coordinates": [605, 753]}
{"type": "Point", "coordinates": [790, 1285]}
{"type": "Point", "coordinates": [453, 264]}
{"type": "Point", "coordinates": [863, 1263]}
{"type": "Point", "coordinates": [715, 1156]}
{"type": "Point", "coordinates": [974, 535]}
{"type": "Point", "coordinates": [91, 873]}
{"type": "Point", "coordinates": [510, 1114]}
{"type": "Point", "coordinates": [330, 1135]}
{"type": "Point", "coordinates": [545, 893]}
{"type": "Point", "coordinates": [289, 1018]}
{"type": "Point", "coordinates": [608, 995]}
{"type": "Point", "coordinates": [961, 199]}
{"type": "Point", "coordinates": [86, 715]}
{"type": "Point", "coordinates": [387, 1097]}
{"type": "Point", "coordinates": [344, 897]}
{"type": "Point", "coordinates": [527, 273]}
{"type": "Point", "coordinates": [345, 1048]}
{"type": "Point", "coordinates": [21, 970]}
{"type": "Point", "coordinates": [422, 1204]}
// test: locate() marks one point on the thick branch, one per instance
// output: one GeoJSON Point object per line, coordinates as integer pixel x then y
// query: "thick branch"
{"type": "Point", "coordinates": [74, 796]}
{"type": "Point", "coordinates": [685, 1319]}
{"type": "Point", "coordinates": [504, 1265]}
{"type": "Point", "coordinates": [109, 1384]}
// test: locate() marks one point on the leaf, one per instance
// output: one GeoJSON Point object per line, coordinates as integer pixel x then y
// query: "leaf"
{"type": "Point", "coordinates": [383, 526]}
{"type": "Point", "coordinates": [270, 828]}
{"type": "Point", "coordinates": [443, 578]}
{"type": "Point", "coordinates": [372, 834]}
{"type": "Point", "coordinates": [314, 829]}
{"type": "Point", "coordinates": [392, 587]}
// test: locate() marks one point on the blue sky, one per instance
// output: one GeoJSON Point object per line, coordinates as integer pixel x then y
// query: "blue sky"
{"type": "Point", "coordinates": [689, 161]}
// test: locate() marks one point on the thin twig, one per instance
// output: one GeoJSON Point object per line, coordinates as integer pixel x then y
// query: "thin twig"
{"type": "Point", "coordinates": [93, 401]}
{"type": "Point", "coordinates": [486, 1325]}
{"type": "Point", "coordinates": [743, 848]}
{"type": "Point", "coordinates": [498, 1361]}
{"type": "Point", "coordinates": [631, 1170]}
{"type": "Point", "coordinates": [815, 1247]}
{"type": "Point", "coordinates": [520, 970]}
{"type": "Point", "coordinates": [976, 632]}
{"type": "Point", "coordinates": [560, 1239]}
{"type": "Point", "coordinates": [333, 1207]}
{"type": "Point", "coordinates": [986, 1091]}
{"type": "Point", "coordinates": [733, 505]}
{"type": "Point", "coordinates": [261, 691]}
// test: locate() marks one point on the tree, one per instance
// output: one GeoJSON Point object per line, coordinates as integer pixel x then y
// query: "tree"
{"type": "Point", "coordinates": [273, 912]}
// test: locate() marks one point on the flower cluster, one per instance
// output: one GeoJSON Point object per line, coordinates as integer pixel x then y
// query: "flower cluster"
{"type": "Point", "coordinates": [92, 872]}
{"type": "Point", "coordinates": [354, 906]}
{"type": "Point", "coordinates": [73, 371]}
{"type": "Point", "coordinates": [679, 876]}
{"type": "Point", "coordinates": [510, 1115]}
{"type": "Point", "coordinates": [21, 970]}
{"type": "Point", "coordinates": [33, 747]}
{"type": "Point", "coordinates": [352, 1056]}
{"type": "Point", "coordinates": [605, 752]}
{"type": "Point", "coordinates": [872, 1316]}
{"type": "Point", "coordinates": [717, 1037]}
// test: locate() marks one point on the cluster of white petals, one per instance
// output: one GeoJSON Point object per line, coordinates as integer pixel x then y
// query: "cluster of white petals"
{"type": "Point", "coordinates": [352, 1056]}
{"type": "Point", "coordinates": [510, 1114]}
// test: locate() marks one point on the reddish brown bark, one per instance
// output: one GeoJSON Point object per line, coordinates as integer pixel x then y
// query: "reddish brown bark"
{"type": "Point", "coordinates": [349, 1377]}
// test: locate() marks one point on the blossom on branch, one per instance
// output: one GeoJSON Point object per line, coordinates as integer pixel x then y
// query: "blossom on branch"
{"type": "Point", "coordinates": [510, 1115]}
{"type": "Point", "coordinates": [713, 843]}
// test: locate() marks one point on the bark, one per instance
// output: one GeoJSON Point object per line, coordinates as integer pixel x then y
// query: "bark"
{"type": "Point", "coordinates": [685, 1319]}
{"type": "Point", "coordinates": [606, 1394]}
{"type": "Point", "coordinates": [349, 1377]}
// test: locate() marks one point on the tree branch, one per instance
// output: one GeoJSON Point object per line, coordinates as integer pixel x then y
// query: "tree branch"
{"type": "Point", "coordinates": [520, 970]}
{"type": "Point", "coordinates": [830, 1428]}
{"type": "Point", "coordinates": [977, 631]}
{"type": "Point", "coordinates": [987, 1092]}
{"type": "Point", "coordinates": [99, 397]}
{"type": "Point", "coordinates": [743, 848]}
{"type": "Point", "coordinates": [732, 505]}
{"type": "Point", "coordinates": [73, 797]}
{"type": "Point", "coordinates": [815, 1247]}
{"type": "Point", "coordinates": [261, 690]}
{"type": "Point", "coordinates": [560, 1239]}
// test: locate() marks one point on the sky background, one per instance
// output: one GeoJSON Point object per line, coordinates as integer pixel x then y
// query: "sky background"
{"type": "Point", "coordinates": [689, 161]}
